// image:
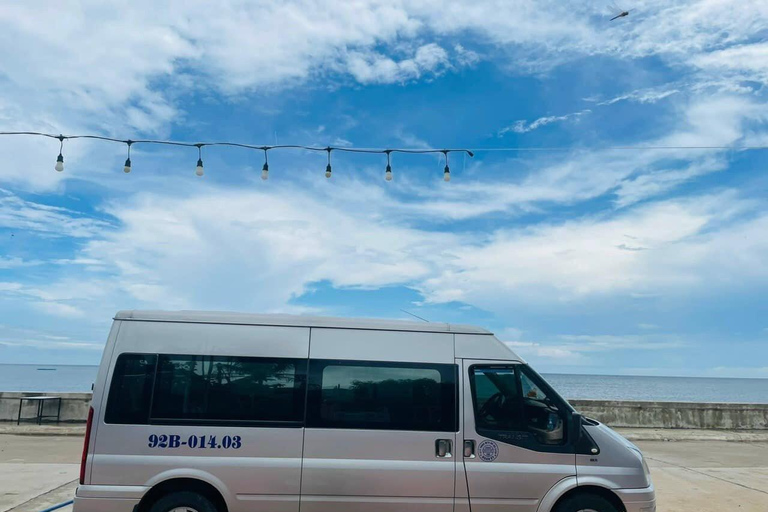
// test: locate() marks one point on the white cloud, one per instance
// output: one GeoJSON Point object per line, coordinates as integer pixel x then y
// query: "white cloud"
{"type": "Point", "coordinates": [649, 95]}
{"type": "Point", "coordinates": [275, 245]}
{"type": "Point", "coordinates": [15, 262]}
{"type": "Point", "coordinates": [578, 350]}
{"type": "Point", "coordinates": [371, 67]}
{"type": "Point", "coordinates": [59, 309]}
{"type": "Point", "coordinates": [689, 243]}
{"type": "Point", "coordinates": [465, 57]}
{"type": "Point", "coordinates": [50, 221]}
{"type": "Point", "coordinates": [747, 62]}
{"type": "Point", "coordinates": [256, 251]}
{"type": "Point", "coordinates": [522, 126]}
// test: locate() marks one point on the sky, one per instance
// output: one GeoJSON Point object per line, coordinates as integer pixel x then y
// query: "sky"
{"type": "Point", "coordinates": [584, 260]}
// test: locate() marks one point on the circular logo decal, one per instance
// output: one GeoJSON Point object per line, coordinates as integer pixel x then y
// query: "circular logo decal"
{"type": "Point", "coordinates": [488, 451]}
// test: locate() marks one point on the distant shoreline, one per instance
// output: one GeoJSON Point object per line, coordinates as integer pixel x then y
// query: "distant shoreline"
{"type": "Point", "coordinates": [543, 373]}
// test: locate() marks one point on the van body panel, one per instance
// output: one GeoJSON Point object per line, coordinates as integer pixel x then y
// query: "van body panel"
{"type": "Point", "coordinates": [212, 339]}
{"type": "Point", "coordinates": [104, 504]}
{"type": "Point", "coordinates": [479, 346]}
{"type": "Point", "coordinates": [399, 469]}
{"type": "Point", "coordinates": [269, 461]}
{"type": "Point", "coordinates": [557, 491]}
{"type": "Point", "coordinates": [517, 478]}
{"type": "Point", "coordinates": [218, 317]}
{"type": "Point", "coordinates": [617, 466]}
{"type": "Point", "coordinates": [99, 397]}
{"type": "Point", "coordinates": [416, 347]}
{"type": "Point", "coordinates": [375, 504]}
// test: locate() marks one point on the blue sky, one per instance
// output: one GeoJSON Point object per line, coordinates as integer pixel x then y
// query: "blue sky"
{"type": "Point", "coordinates": [590, 260]}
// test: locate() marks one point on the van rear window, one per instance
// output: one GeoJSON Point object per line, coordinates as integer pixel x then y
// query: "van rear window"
{"type": "Point", "coordinates": [229, 389]}
{"type": "Point", "coordinates": [129, 395]}
{"type": "Point", "coordinates": [206, 390]}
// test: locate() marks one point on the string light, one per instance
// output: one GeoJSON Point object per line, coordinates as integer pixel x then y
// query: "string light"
{"type": "Point", "coordinates": [60, 159]}
{"type": "Point", "coordinates": [199, 170]}
{"type": "Point", "coordinates": [127, 166]}
{"type": "Point", "coordinates": [265, 169]}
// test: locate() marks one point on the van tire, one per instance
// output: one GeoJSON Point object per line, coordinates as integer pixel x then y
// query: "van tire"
{"type": "Point", "coordinates": [585, 502]}
{"type": "Point", "coordinates": [190, 500]}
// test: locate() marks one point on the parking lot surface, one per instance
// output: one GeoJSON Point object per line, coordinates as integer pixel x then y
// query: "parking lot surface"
{"type": "Point", "coordinates": [703, 476]}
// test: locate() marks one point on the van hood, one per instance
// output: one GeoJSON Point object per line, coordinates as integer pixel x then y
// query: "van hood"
{"type": "Point", "coordinates": [619, 465]}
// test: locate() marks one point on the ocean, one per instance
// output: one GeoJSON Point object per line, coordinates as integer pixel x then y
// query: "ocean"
{"type": "Point", "coordinates": [56, 378]}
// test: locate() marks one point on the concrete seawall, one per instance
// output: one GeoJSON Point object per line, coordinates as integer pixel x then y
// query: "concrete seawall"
{"type": "Point", "coordinates": [615, 413]}
{"type": "Point", "coordinates": [74, 406]}
{"type": "Point", "coordinates": [675, 414]}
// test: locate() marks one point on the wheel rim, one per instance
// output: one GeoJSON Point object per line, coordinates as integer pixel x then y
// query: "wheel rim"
{"type": "Point", "coordinates": [581, 510]}
{"type": "Point", "coordinates": [183, 509]}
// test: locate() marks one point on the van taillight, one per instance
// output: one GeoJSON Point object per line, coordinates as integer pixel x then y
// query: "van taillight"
{"type": "Point", "coordinates": [86, 442]}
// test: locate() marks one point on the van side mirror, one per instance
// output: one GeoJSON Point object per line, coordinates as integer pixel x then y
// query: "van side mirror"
{"type": "Point", "coordinates": [576, 423]}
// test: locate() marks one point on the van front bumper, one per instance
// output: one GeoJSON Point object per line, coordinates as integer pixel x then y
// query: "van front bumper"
{"type": "Point", "coordinates": [638, 500]}
{"type": "Point", "coordinates": [107, 498]}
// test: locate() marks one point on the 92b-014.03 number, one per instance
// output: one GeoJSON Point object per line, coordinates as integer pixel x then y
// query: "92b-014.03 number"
{"type": "Point", "coordinates": [201, 442]}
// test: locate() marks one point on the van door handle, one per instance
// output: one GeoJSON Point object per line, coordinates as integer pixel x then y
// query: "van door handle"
{"type": "Point", "coordinates": [443, 448]}
{"type": "Point", "coordinates": [469, 448]}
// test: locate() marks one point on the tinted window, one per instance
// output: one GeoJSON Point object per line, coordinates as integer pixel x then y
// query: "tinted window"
{"type": "Point", "coordinates": [215, 389]}
{"type": "Point", "coordinates": [497, 399]}
{"type": "Point", "coordinates": [129, 394]}
{"type": "Point", "coordinates": [512, 399]}
{"type": "Point", "coordinates": [387, 396]}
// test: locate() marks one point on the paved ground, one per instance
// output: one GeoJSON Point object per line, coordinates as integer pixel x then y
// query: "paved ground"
{"type": "Point", "coordinates": [703, 476]}
{"type": "Point", "coordinates": [708, 476]}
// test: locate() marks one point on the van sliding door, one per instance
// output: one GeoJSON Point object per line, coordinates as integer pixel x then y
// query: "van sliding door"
{"type": "Point", "coordinates": [381, 433]}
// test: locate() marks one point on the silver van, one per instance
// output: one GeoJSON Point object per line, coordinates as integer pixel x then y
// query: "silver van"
{"type": "Point", "coordinates": [221, 412]}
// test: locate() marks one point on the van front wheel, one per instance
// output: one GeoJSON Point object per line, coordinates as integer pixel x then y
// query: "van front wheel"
{"type": "Point", "coordinates": [183, 501]}
{"type": "Point", "coordinates": [585, 503]}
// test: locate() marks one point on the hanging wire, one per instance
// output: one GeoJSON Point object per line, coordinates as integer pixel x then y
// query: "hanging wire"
{"type": "Point", "coordinates": [468, 151]}
{"type": "Point", "coordinates": [386, 151]}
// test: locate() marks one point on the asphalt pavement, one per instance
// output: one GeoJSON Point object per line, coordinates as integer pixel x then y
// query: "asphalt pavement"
{"type": "Point", "coordinates": [706, 475]}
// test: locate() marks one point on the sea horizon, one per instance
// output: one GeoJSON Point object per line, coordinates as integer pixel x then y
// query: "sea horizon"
{"type": "Point", "coordinates": [73, 378]}
{"type": "Point", "coordinates": [544, 373]}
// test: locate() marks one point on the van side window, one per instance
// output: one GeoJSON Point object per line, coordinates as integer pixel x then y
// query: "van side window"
{"type": "Point", "coordinates": [129, 394]}
{"type": "Point", "coordinates": [217, 389]}
{"type": "Point", "coordinates": [509, 400]}
{"type": "Point", "coordinates": [497, 399]}
{"type": "Point", "coordinates": [382, 396]}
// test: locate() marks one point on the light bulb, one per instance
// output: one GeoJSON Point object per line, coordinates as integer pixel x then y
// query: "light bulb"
{"type": "Point", "coordinates": [199, 171]}
{"type": "Point", "coordinates": [388, 174]}
{"type": "Point", "coordinates": [127, 167]}
{"type": "Point", "coordinates": [265, 171]}
{"type": "Point", "coordinates": [59, 163]}
{"type": "Point", "coordinates": [447, 174]}
{"type": "Point", "coordinates": [328, 171]}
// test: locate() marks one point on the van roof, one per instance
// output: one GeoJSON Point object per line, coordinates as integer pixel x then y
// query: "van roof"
{"type": "Point", "coordinates": [215, 317]}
